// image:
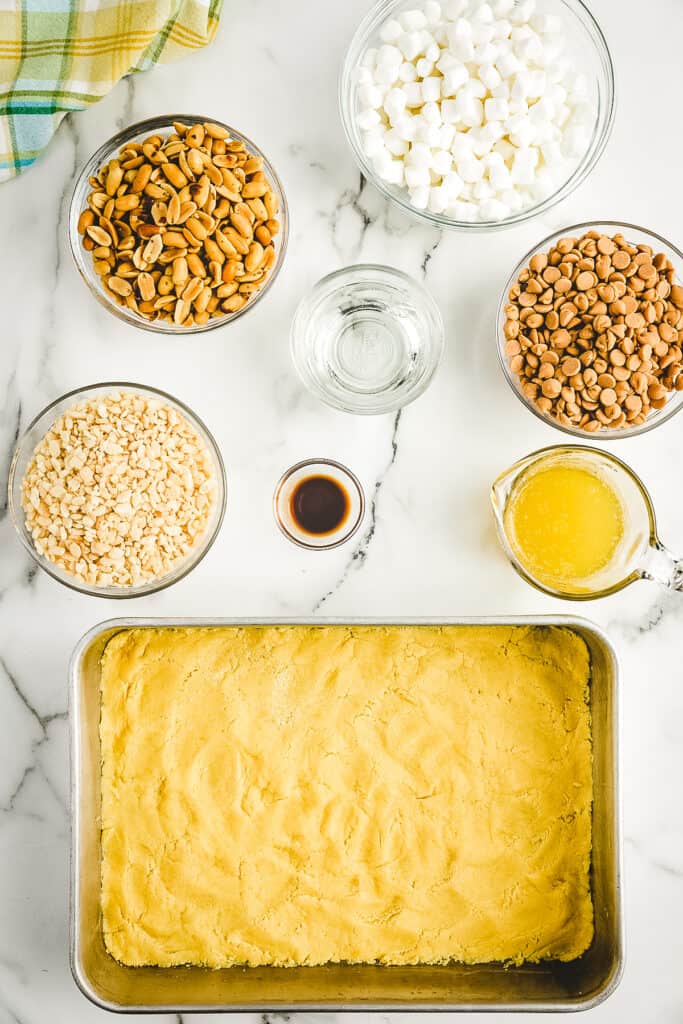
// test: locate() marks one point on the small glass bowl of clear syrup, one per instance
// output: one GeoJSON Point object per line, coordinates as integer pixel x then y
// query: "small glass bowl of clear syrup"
{"type": "Point", "coordinates": [367, 339]}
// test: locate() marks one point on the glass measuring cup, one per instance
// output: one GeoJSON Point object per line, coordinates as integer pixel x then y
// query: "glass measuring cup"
{"type": "Point", "coordinates": [639, 554]}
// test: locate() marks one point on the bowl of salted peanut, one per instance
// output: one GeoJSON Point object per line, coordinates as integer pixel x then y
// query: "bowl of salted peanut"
{"type": "Point", "coordinates": [590, 330]}
{"type": "Point", "coordinates": [178, 224]}
{"type": "Point", "coordinates": [117, 490]}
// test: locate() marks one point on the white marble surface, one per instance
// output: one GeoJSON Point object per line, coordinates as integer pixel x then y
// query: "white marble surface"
{"type": "Point", "coordinates": [428, 546]}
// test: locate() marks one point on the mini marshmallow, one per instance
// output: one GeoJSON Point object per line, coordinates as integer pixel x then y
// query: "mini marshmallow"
{"type": "Point", "coordinates": [433, 52]}
{"type": "Point", "coordinates": [363, 76]}
{"type": "Point", "coordinates": [417, 176]}
{"type": "Point", "coordinates": [469, 168]}
{"type": "Point", "coordinates": [524, 166]}
{"type": "Point", "coordinates": [404, 127]}
{"type": "Point", "coordinates": [431, 89]}
{"type": "Point", "coordinates": [450, 111]}
{"type": "Point", "coordinates": [542, 111]}
{"type": "Point", "coordinates": [370, 97]}
{"type": "Point", "coordinates": [389, 55]}
{"type": "Point", "coordinates": [432, 12]}
{"type": "Point", "coordinates": [420, 155]}
{"type": "Point", "coordinates": [390, 31]}
{"type": "Point", "coordinates": [501, 91]}
{"type": "Point", "coordinates": [557, 70]}
{"type": "Point", "coordinates": [395, 102]}
{"type": "Point", "coordinates": [522, 11]}
{"type": "Point", "coordinates": [546, 23]}
{"type": "Point", "coordinates": [473, 87]}
{"type": "Point", "coordinates": [498, 173]}
{"type": "Point", "coordinates": [483, 190]}
{"type": "Point", "coordinates": [486, 53]}
{"type": "Point", "coordinates": [481, 143]}
{"type": "Point", "coordinates": [462, 211]}
{"type": "Point", "coordinates": [489, 76]}
{"type": "Point", "coordinates": [446, 133]}
{"type": "Point", "coordinates": [524, 133]}
{"type": "Point", "coordinates": [413, 20]}
{"type": "Point", "coordinates": [471, 111]}
{"type": "Point", "coordinates": [424, 67]}
{"type": "Point", "coordinates": [483, 14]}
{"type": "Point", "coordinates": [512, 199]}
{"type": "Point", "coordinates": [369, 58]}
{"type": "Point", "coordinates": [386, 74]}
{"type": "Point", "coordinates": [413, 94]}
{"type": "Point", "coordinates": [529, 50]}
{"type": "Point", "coordinates": [410, 45]}
{"type": "Point", "coordinates": [407, 72]}
{"type": "Point", "coordinates": [501, 8]}
{"type": "Point", "coordinates": [521, 85]}
{"type": "Point", "coordinates": [493, 209]}
{"type": "Point", "coordinates": [508, 64]}
{"type": "Point", "coordinates": [395, 173]}
{"type": "Point", "coordinates": [447, 61]}
{"type": "Point", "coordinates": [552, 154]}
{"type": "Point", "coordinates": [431, 113]}
{"type": "Point", "coordinates": [427, 133]}
{"type": "Point", "coordinates": [419, 196]}
{"type": "Point", "coordinates": [545, 132]}
{"type": "Point", "coordinates": [454, 8]}
{"type": "Point", "coordinates": [453, 184]}
{"type": "Point", "coordinates": [373, 143]}
{"type": "Point", "coordinates": [462, 146]}
{"type": "Point", "coordinates": [382, 163]}
{"type": "Point", "coordinates": [497, 110]}
{"type": "Point", "coordinates": [505, 149]}
{"type": "Point", "coordinates": [482, 34]}
{"type": "Point", "coordinates": [438, 199]}
{"type": "Point", "coordinates": [367, 120]}
{"type": "Point", "coordinates": [454, 79]}
{"type": "Point", "coordinates": [442, 161]}
{"type": "Point", "coordinates": [463, 48]}
{"type": "Point", "coordinates": [502, 29]}
{"type": "Point", "coordinates": [396, 145]}
{"type": "Point", "coordinates": [537, 84]}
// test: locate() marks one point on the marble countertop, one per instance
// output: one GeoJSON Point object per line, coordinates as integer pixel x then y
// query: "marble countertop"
{"type": "Point", "coordinates": [427, 546]}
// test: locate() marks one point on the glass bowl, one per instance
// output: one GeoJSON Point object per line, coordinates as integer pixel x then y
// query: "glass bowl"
{"type": "Point", "coordinates": [367, 339]}
{"type": "Point", "coordinates": [584, 37]}
{"type": "Point", "coordinates": [35, 433]}
{"type": "Point", "coordinates": [637, 236]}
{"type": "Point", "coordinates": [83, 259]}
{"type": "Point", "coordinates": [347, 482]}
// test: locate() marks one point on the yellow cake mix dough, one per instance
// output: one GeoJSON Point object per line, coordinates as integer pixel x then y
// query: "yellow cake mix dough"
{"type": "Point", "coordinates": [300, 795]}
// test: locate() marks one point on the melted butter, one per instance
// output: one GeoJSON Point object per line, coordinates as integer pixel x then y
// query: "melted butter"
{"type": "Point", "coordinates": [564, 523]}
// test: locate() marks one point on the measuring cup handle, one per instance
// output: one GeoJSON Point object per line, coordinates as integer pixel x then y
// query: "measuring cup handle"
{"type": "Point", "coordinates": [662, 567]}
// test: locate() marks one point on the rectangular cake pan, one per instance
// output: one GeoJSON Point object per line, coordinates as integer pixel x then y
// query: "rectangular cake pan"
{"type": "Point", "coordinates": [552, 985]}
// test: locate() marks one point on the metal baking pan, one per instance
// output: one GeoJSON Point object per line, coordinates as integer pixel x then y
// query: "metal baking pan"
{"type": "Point", "coordinates": [581, 984]}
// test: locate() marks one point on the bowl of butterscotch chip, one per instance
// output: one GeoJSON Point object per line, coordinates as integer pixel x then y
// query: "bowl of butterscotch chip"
{"type": "Point", "coordinates": [590, 330]}
{"type": "Point", "coordinates": [178, 224]}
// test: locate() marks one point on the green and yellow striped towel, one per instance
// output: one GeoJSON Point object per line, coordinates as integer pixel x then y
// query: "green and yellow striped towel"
{"type": "Point", "coordinates": [62, 55]}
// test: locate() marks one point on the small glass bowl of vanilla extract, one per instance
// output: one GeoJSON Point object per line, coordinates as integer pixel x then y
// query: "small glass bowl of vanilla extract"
{"type": "Point", "coordinates": [319, 504]}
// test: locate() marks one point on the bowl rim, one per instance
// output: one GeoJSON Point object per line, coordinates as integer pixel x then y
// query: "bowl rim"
{"type": "Point", "coordinates": [604, 434]}
{"type": "Point", "coordinates": [154, 585]}
{"type": "Point", "coordinates": [105, 152]}
{"type": "Point", "coordinates": [360, 39]}
{"type": "Point", "coordinates": [303, 311]}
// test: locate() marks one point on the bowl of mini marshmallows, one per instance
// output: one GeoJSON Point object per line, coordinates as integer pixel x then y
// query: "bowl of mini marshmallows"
{"type": "Point", "coordinates": [117, 490]}
{"type": "Point", "coordinates": [475, 114]}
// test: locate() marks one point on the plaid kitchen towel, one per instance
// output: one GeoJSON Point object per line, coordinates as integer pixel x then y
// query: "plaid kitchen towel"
{"type": "Point", "coordinates": [63, 55]}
